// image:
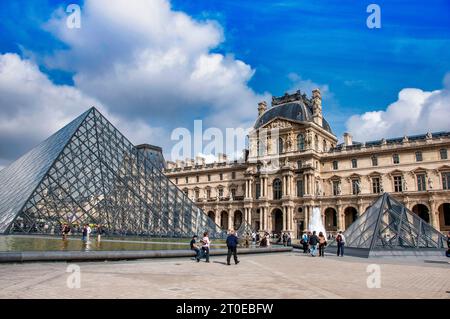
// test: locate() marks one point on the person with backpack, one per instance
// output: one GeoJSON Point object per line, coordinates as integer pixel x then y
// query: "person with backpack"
{"type": "Point", "coordinates": [340, 240]}
{"type": "Point", "coordinates": [322, 244]}
{"type": "Point", "coordinates": [313, 241]}
{"type": "Point", "coordinates": [305, 241]}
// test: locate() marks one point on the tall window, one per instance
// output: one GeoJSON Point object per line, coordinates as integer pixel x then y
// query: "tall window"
{"type": "Point", "coordinates": [300, 142]}
{"type": "Point", "coordinates": [335, 165]}
{"type": "Point", "coordinates": [421, 185]}
{"type": "Point", "coordinates": [257, 190]}
{"type": "Point", "coordinates": [324, 145]}
{"type": "Point", "coordinates": [220, 192]}
{"type": "Point", "coordinates": [186, 192]}
{"type": "Point", "coordinates": [260, 147]}
{"type": "Point", "coordinates": [233, 175]}
{"type": "Point", "coordinates": [209, 178]}
{"type": "Point", "coordinates": [300, 190]}
{"type": "Point", "coordinates": [186, 179]}
{"type": "Point", "coordinates": [336, 188]}
{"type": "Point", "coordinates": [176, 180]}
{"type": "Point", "coordinates": [446, 180]}
{"type": "Point", "coordinates": [299, 164]}
{"type": "Point", "coordinates": [316, 142]}
{"type": "Point", "coordinates": [398, 187]}
{"type": "Point", "coordinates": [354, 163]}
{"type": "Point", "coordinates": [277, 189]}
{"type": "Point", "coordinates": [355, 187]}
{"type": "Point", "coordinates": [197, 193]}
{"type": "Point", "coordinates": [419, 157]}
{"type": "Point", "coordinates": [197, 178]}
{"type": "Point", "coordinates": [221, 176]}
{"type": "Point", "coordinates": [208, 193]}
{"type": "Point", "coordinates": [233, 192]}
{"type": "Point", "coordinates": [396, 159]}
{"type": "Point", "coordinates": [376, 185]}
{"type": "Point", "coordinates": [374, 161]}
{"type": "Point", "coordinates": [443, 153]}
{"type": "Point", "coordinates": [280, 145]}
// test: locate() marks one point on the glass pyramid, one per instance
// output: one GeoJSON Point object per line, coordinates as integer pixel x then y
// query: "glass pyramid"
{"type": "Point", "coordinates": [88, 172]}
{"type": "Point", "coordinates": [389, 225]}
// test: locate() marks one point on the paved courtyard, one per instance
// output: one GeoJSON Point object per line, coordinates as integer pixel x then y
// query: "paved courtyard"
{"type": "Point", "coordinates": [282, 275]}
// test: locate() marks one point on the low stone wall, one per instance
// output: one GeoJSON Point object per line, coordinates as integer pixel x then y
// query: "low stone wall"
{"type": "Point", "coordinates": [32, 256]}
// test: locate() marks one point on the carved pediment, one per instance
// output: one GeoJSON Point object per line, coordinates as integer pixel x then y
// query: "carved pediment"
{"type": "Point", "coordinates": [278, 123]}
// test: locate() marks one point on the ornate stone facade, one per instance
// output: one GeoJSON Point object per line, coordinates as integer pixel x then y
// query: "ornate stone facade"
{"type": "Point", "coordinates": [301, 165]}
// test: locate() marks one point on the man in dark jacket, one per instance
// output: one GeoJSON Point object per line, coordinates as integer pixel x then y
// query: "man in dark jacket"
{"type": "Point", "coordinates": [193, 245]}
{"type": "Point", "coordinates": [232, 242]}
{"type": "Point", "coordinates": [313, 241]}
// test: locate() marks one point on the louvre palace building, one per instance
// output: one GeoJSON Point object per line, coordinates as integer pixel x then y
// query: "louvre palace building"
{"type": "Point", "coordinates": [301, 167]}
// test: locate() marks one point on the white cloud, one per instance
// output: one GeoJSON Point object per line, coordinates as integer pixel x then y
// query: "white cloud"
{"type": "Point", "coordinates": [33, 108]}
{"type": "Point", "coordinates": [415, 111]}
{"type": "Point", "coordinates": [145, 60]}
{"type": "Point", "coordinates": [150, 69]}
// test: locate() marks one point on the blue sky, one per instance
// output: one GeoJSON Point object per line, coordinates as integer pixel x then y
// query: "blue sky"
{"type": "Point", "coordinates": [286, 44]}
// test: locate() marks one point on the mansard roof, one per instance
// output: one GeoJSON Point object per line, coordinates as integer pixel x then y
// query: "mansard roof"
{"type": "Point", "coordinates": [295, 107]}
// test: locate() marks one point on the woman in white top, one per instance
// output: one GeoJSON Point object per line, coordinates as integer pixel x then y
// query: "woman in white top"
{"type": "Point", "coordinates": [205, 246]}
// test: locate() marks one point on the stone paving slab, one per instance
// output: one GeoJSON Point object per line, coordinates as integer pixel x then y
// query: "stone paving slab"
{"type": "Point", "coordinates": [282, 275]}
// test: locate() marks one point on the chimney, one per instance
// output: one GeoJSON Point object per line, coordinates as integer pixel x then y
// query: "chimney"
{"type": "Point", "coordinates": [222, 158]}
{"type": "Point", "coordinates": [317, 107]}
{"type": "Point", "coordinates": [348, 139]}
{"type": "Point", "coordinates": [262, 107]}
{"type": "Point", "coordinates": [199, 160]}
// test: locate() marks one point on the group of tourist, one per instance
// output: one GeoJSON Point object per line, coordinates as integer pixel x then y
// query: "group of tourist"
{"type": "Point", "coordinates": [202, 248]}
{"type": "Point", "coordinates": [311, 243]}
{"type": "Point", "coordinates": [86, 231]}
{"type": "Point", "coordinates": [286, 239]}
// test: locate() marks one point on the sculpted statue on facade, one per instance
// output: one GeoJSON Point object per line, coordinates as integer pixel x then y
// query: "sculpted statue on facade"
{"type": "Point", "coordinates": [430, 183]}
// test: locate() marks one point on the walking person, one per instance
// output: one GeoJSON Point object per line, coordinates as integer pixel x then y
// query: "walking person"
{"type": "Point", "coordinates": [254, 238]}
{"type": "Point", "coordinates": [193, 245]}
{"type": "Point", "coordinates": [99, 232]}
{"type": "Point", "coordinates": [305, 241]}
{"type": "Point", "coordinates": [322, 244]}
{"type": "Point", "coordinates": [340, 239]}
{"type": "Point", "coordinates": [84, 233]}
{"type": "Point", "coordinates": [65, 231]}
{"type": "Point", "coordinates": [232, 242]}
{"type": "Point", "coordinates": [313, 241]}
{"type": "Point", "coordinates": [205, 246]}
{"type": "Point", "coordinates": [247, 240]}
{"type": "Point", "coordinates": [288, 240]}
{"type": "Point", "coordinates": [88, 231]}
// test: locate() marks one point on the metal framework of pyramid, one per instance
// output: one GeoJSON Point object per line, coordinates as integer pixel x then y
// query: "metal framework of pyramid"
{"type": "Point", "coordinates": [388, 228]}
{"type": "Point", "coordinates": [89, 173]}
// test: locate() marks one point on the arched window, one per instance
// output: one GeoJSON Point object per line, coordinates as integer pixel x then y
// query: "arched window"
{"type": "Point", "coordinates": [300, 142]}
{"type": "Point", "coordinates": [277, 189]}
{"type": "Point", "coordinates": [280, 145]}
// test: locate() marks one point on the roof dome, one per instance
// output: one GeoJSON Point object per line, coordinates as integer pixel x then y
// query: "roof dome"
{"type": "Point", "coordinates": [296, 107]}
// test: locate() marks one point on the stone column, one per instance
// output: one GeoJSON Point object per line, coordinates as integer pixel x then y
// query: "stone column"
{"type": "Point", "coordinates": [217, 217]}
{"type": "Point", "coordinates": [230, 220]}
{"type": "Point", "coordinates": [306, 208]}
{"type": "Point", "coordinates": [285, 213]}
{"type": "Point", "coordinates": [340, 218]}
{"type": "Point", "coordinates": [261, 218]}
{"type": "Point", "coordinates": [434, 217]}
